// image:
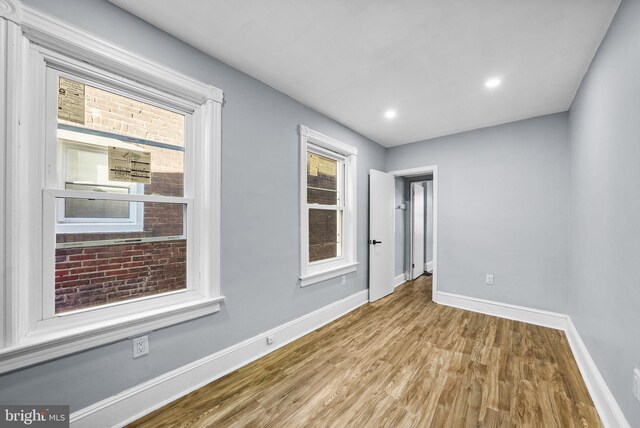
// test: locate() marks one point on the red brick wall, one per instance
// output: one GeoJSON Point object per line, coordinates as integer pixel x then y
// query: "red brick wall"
{"type": "Point", "coordinates": [99, 275]}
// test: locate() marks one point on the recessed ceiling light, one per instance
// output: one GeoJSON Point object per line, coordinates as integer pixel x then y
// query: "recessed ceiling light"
{"type": "Point", "coordinates": [492, 83]}
{"type": "Point", "coordinates": [390, 114]}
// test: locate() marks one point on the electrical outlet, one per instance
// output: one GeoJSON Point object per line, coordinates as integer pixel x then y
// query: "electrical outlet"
{"type": "Point", "coordinates": [140, 346]}
{"type": "Point", "coordinates": [343, 281]}
{"type": "Point", "coordinates": [489, 280]}
{"type": "Point", "coordinates": [269, 340]}
{"type": "Point", "coordinates": [636, 383]}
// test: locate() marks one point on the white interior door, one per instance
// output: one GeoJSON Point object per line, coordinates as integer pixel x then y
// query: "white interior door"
{"type": "Point", "coordinates": [381, 234]}
{"type": "Point", "coordinates": [417, 230]}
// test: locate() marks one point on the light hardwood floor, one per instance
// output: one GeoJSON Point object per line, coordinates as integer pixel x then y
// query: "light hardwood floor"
{"type": "Point", "coordinates": [401, 361]}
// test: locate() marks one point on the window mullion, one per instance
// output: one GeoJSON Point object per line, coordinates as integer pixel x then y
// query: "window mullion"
{"type": "Point", "coordinates": [79, 194]}
{"type": "Point", "coordinates": [325, 207]}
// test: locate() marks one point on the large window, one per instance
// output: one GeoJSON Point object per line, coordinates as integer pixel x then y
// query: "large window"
{"type": "Point", "coordinates": [328, 207]}
{"type": "Point", "coordinates": [113, 194]}
{"type": "Point", "coordinates": [111, 145]}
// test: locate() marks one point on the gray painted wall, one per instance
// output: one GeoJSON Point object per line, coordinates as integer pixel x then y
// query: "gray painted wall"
{"type": "Point", "coordinates": [260, 233]}
{"type": "Point", "coordinates": [503, 209]}
{"type": "Point", "coordinates": [604, 272]}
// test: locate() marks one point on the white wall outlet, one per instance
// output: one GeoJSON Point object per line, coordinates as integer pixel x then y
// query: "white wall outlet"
{"type": "Point", "coordinates": [343, 281]}
{"type": "Point", "coordinates": [636, 383]}
{"type": "Point", "coordinates": [269, 340]}
{"type": "Point", "coordinates": [140, 346]}
{"type": "Point", "coordinates": [489, 279]}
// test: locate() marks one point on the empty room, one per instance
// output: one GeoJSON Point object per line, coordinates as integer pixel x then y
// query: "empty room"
{"type": "Point", "coordinates": [285, 213]}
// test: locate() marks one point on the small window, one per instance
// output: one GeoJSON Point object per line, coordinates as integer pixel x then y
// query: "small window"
{"type": "Point", "coordinates": [328, 207]}
{"type": "Point", "coordinates": [84, 167]}
{"type": "Point", "coordinates": [325, 202]}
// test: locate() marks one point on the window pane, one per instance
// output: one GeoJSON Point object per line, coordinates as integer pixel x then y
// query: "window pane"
{"type": "Point", "coordinates": [322, 180]}
{"type": "Point", "coordinates": [93, 269]}
{"type": "Point", "coordinates": [86, 165]}
{"type": "Point", "coordinates": [88, 118]}
{"type": "Point", "coordinates": [94, 276]}
{"type": "Point", "coordinates": [110, 112]}
{"type": "Point", "coordinates": [167, 171]}
{"type": "Point", "coordinates": [147, 220]}
{"type": "Point", "coordinates": [325, 230]}
{"type": "Point", "coordinates": [96, 209]}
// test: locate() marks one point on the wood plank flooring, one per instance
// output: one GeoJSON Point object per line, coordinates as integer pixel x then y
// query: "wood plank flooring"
{"type": "Point", "coordinates": [400, 362]}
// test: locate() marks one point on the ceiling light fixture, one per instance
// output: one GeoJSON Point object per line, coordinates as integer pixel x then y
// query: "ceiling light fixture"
{"type": "Point", "coordinates": [492, 83]}
{"type": "Point", "coordinates": [390, 114]}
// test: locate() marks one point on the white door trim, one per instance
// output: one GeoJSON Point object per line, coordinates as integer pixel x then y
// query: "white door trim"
{"type": "Point", "coordinates": [433, 170]}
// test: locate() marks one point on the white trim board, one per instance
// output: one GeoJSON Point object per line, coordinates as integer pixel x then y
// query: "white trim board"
{"type": "Point", "coordinates": [503, 310]}
{"type": "Point", "coordinates": [399, 280]}
{"type": "Point", "coordinates": [428, 267]}
{"type": "Point", "coordinates": [604, 401]}
{"type": "Point", "coordinates": [142, 399]}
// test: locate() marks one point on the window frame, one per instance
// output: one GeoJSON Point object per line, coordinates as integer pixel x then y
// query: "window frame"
{"type": "Point", "coordinates": [33, 43]}
{"type": "Point", "coordinates": [322, 270]}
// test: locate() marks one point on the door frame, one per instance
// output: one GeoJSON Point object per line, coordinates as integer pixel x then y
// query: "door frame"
{"type": "Point", "coordinates": [422, 170]}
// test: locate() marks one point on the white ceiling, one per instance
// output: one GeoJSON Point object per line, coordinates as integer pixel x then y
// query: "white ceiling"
{"type": "Point", "coordinates": [354, 59]}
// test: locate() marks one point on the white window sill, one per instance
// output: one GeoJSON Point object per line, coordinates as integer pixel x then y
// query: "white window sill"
{"type": "Point", "coordinates": [45, 345]}
{"type": "Point", "coordinates": [323, 275]}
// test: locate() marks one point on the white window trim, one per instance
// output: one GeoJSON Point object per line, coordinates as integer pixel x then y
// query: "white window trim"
{"type": "Point", "coordinates": [313, 273]}
{"type": "Point", "coordinates": [32, 40]}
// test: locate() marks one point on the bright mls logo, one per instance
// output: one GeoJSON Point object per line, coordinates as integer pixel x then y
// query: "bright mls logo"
{"type": "Point", "coordinates": [34, 416]}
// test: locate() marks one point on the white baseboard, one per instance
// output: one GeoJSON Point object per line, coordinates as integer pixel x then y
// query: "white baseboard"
{"type": "Point", "coordinates": [605, 403]}
{"type": "Point", "coordinates": [399, 280]}
{"type": "Point", "coordinates": [142, 399]}
{"type": "Point", "coordinates": [428, 267]}
{"type": "Point", "coordinates": [503, 310]}
{"type": "Point", "coordinates": [603, 399]}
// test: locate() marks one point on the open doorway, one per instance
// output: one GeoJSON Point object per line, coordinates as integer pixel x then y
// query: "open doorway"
{"type": "Point", "coordinates": [415, 224]}
{"type": "Point", "coordinates": [418, 245]}
{"type": "Point", "coordinates": [388, 231]}
{"type": "Point", "coordinates": [416, 257]}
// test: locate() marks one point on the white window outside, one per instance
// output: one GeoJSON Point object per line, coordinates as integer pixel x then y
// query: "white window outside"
{"type": "Point", "coordinates": [328, 207]}
{"type": "Point", "coordinates": [83, 165]}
